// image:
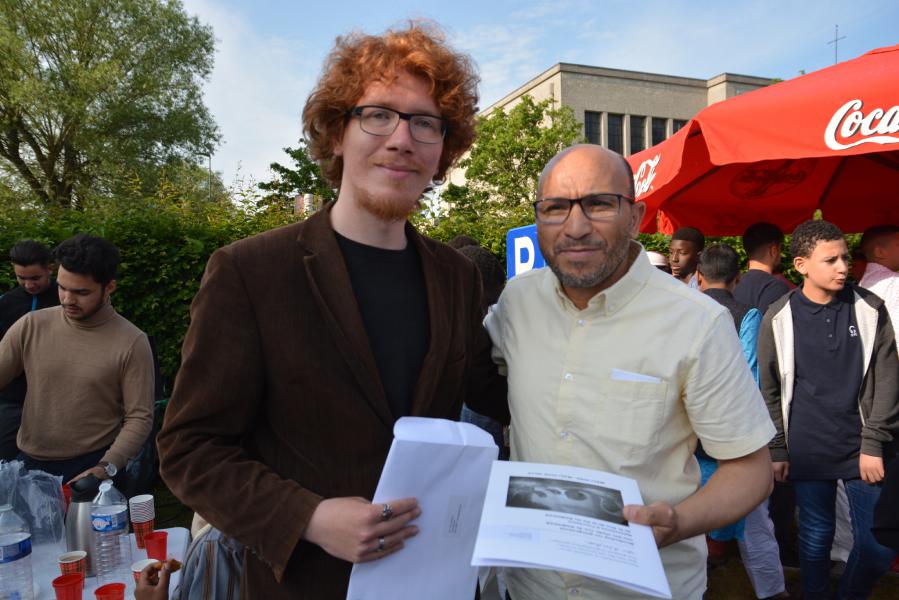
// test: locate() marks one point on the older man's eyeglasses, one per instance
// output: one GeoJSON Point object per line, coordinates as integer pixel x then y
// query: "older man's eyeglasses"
{"type": "Point", "coordinates": [380, 120]}
{"type": "Point", "coordinates": [596, 207]}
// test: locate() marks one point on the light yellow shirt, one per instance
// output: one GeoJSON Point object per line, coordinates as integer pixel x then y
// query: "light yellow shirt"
{"type": "Point", "coordinates": [571, 404]}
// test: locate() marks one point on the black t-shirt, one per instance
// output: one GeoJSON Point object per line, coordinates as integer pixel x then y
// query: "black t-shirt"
{"type": "Point", "coordinates": [759, 289]}
{"type": "Point", "coordinates": [825, 426]}
{"type": "Point", "coordinates": [14, 304]}
{"type": "Point", "coordinates": [390, 290]}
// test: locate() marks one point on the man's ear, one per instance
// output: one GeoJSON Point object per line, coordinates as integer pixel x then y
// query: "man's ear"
{"type": "Point", "coordinates": [110, 287]}
{"type": "Point", "coordinates": [638, 209]}
{"type": "Point", "coordinates": [799, 263]}
{"type": "Point", "coordinates": [774, 252]}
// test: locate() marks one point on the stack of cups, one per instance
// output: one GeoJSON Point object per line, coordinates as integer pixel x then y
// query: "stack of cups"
{"type": "Point", "coordinates": [143, 514]}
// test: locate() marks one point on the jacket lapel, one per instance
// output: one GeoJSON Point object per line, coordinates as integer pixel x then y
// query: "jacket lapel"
{"type": "Point", "coordinates": [439, 313]}
{"type": "Point", "coordinates": [333, 292]}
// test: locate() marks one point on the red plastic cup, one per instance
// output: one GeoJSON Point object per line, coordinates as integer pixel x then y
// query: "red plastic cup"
{"type": "Point", "coordinates": [73, 562]}
{"type": "Point", "coordinates": [138, 567]}
{"type": "Point", "coordinates": [156, 543]}
{"type": "Point", "coordinates": [141, 530]}
{"type": "Point", "coordinates": [111, 591]}
{"type": "Point", "coordinates": [68, 587]}
{"type": "Point", "coordinates": [66, 496]}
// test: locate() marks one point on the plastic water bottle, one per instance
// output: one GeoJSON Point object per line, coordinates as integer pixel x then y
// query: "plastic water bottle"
{"type": "Point", "coordinates": [15, 556]}
{"type": "Point", "coordinates": [109, 520]}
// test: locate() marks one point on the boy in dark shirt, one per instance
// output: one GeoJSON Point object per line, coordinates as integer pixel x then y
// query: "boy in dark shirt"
{"type": "Point", "coordinates": [759, 287]}
{"type": "Point", "coordinates": [830, 377]}
{"type": "Point", "coordinates": [717, 272]}
{"type": "Point", "coordinates": [31, 262]}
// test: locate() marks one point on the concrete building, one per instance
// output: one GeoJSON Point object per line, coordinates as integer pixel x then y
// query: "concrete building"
{"type": "Point", "coordinates": [626, 111]}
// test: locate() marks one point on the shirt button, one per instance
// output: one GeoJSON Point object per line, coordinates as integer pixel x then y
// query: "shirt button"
{"type": "Point", "coordinates": [580, 322]}
{"type": "Point", "coordinates": [829, 335]}
{"type": "Point", "coordinates": [575, 592]}
{"type": "Point", "coordinates": [564, 435]}
{"type": "Point", "coordinates": [828, 320]}
{"type": "Point", "coordinates": [568, 376]}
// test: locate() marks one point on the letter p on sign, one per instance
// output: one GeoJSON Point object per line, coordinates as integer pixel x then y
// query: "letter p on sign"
{"type": "Point", "coordinates": [522, 251]}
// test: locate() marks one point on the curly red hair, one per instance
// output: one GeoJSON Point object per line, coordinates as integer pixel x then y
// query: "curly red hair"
{"type": "Point", "coordinates": [358, 59]}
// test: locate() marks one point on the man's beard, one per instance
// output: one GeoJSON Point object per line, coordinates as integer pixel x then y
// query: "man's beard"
{"type": "Point", "coordinates": [614, 256]}
{"type": "Point", "coordinates": [386, 209]}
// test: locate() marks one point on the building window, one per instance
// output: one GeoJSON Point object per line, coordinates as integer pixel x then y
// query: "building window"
{"type": "Point", "coordinates": [616, 133]}
{"type": "Point", "coordinates": [658, 130]}
{"type": "Point", "coordinates": [677, 125]}
{"type": "Point", "coordinates": [638, 134]}
{"type": "Point", "coordinates": [592, 127]}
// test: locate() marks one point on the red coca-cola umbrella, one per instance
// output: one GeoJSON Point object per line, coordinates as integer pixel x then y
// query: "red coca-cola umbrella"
{"type": "Point", "coordinates": [828, 140]}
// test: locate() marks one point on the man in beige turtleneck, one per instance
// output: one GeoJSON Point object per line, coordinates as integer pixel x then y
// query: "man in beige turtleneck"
{"type": "Point", "coordinates": [89, 406]}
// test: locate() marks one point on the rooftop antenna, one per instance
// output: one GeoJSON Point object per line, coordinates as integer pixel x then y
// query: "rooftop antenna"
{"type": "Point", "coordinates": [836, 42]}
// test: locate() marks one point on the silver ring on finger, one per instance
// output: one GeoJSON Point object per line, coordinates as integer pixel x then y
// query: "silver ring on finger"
{"type": "Point", "coordinates": [380, 547]}
{"type": "Point", "coordinates": [386, 513]}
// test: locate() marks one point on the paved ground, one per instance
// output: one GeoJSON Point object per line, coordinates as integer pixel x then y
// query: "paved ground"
{"type": "Point", "coordinates": [729, 582]}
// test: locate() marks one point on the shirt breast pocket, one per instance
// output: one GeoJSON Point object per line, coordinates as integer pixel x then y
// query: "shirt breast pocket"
{"type": "Point", "coordinates": [631, 418]}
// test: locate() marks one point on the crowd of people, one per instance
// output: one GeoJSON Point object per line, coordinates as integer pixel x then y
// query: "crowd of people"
{"type": "Point", "coordinates": [308, 342]}
{"type": "Point", "coordinates": [818, 354]}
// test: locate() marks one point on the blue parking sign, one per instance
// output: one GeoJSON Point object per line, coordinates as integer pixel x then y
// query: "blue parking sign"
{"type": "Point", "coordinates": [522, 251]}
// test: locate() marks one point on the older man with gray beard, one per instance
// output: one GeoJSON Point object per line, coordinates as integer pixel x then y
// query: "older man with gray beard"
{"type": "Point", "coordinates": [614, 365]}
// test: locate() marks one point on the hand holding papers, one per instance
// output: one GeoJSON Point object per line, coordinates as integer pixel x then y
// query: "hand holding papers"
{"type": "Point", "coordinates": [568, 519]}
{"type": "Point", "coordinates": [445, 465]}
{"type": "Point", "coordinates": [355, 530]}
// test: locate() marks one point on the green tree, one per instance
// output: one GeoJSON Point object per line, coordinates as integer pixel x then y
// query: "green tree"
{"type": "Point", "coordinates": [304, 177]}
{"type": "Point", "coordinates": [502, 171]}
{"type": "Point", "coordinates": [513, 147]}
{"type": "Point", "coordinates": [94, 92]}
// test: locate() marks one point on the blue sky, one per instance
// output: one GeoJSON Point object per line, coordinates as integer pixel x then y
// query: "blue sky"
{"type": "Point", "coordinates": [269, 52]}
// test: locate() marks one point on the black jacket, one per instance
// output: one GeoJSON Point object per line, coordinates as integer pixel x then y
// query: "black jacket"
{"type": "Point", "coordinates": [15, 304]}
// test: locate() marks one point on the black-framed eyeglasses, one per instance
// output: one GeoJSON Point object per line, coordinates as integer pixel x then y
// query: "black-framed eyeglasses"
{"type": "Point", "coordinates": [380, 120]}
{"type": "Point", "coordinates": [596, 207]}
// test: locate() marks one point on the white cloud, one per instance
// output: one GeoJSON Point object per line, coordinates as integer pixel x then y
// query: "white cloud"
{"type": "Point", "coordinates": [713, 38]}
{"type": "Point", "coordinates": [261, 80]}
{"type": "Point", "coordinates": [256, 92]}
{"type": "Point", "coordinates": [507, 56]}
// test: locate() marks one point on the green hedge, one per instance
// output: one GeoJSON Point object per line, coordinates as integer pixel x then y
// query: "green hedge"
{"type": "Point", "coordinates": [165, 246]}
{"type": "Point", "coordinates": [164, 249]}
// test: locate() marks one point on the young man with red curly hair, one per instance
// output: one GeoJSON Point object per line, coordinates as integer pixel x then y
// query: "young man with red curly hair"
{"type": "Point", "coordinates": [283, 411]}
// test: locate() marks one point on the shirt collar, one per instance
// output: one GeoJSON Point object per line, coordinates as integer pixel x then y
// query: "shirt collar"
{"type": "Point", "coordinates": [835, 303]}
{"type": "Point", "coordinates": [719, 294]}
{"type": "Point", "coordinates": [106, 313]}
{"type": "Point", "coordinates": [877, 272]}
{"type": "Point", "coordinates": [615, 297]}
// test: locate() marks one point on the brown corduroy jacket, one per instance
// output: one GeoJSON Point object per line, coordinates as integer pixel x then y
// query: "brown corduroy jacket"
{"type": "Point", "coordinates": [278, 403]}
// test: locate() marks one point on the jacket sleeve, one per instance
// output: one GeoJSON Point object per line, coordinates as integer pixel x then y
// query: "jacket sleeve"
{"type": "Point", "coordinates": [487, 388]}
{"type": "Point", "coordinates": [11, 358]}
{"type": "Point", "coordinates": [882, 424]}
{"type": "Point", "coordinates": [218, 396]}
{"type": "Point", "coordinates": [749, 340]}
{"type": "Point", "coordinates": [769, 375]}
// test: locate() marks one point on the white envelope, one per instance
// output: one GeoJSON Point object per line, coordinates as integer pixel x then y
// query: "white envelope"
{"type": "Point", "coordinates": [446, 466]}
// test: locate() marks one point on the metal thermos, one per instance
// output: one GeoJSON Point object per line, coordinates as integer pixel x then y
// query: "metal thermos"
{"type": "Point", "coordinates": [79, 533]}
